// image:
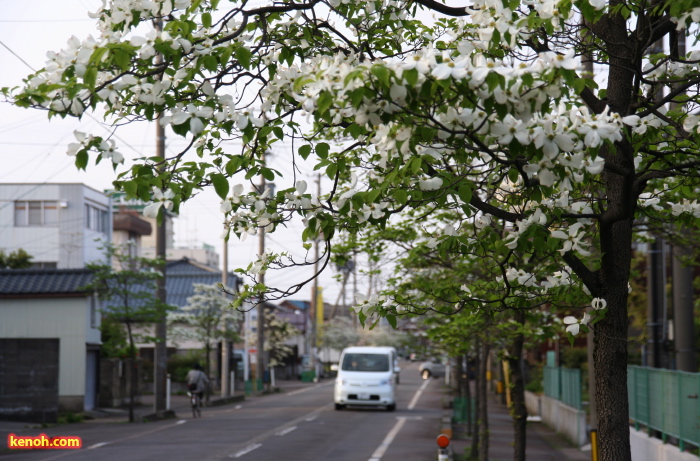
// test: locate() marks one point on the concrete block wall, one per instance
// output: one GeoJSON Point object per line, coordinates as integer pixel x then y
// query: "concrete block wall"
{"type": "Point", "coordinates": [565, 420]}
{"type": "Point", "coordinates": [645, 448]}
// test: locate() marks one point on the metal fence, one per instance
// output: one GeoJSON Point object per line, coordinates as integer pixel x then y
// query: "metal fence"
{"type": "Point", "coordinates": [563, 384]}
{"type": "Point", "coordinates": [667, 401]}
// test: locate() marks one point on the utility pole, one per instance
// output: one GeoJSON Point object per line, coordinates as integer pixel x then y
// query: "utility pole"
{"type": "Point", "coordinates": [655, 305]}
{"type": "Point", "coordinates": [314, 292]}
{"type": "Point", "coordinates": [683, 318]}
{"type": "Point", "coordinates": [261, 365]}
{"type": "Point", "coordinates": [225, 385]}
{"type": "Point", "coordinates": [160, 361]}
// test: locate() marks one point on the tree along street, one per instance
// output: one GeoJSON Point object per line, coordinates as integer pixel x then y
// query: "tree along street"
{"type": "Point", "coordinates": [296, 425]}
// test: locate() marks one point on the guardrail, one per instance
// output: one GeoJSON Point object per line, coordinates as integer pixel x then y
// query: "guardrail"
{"type": "Point", "coordinates": [667, 401]}
{"type": "Point", "coordinates": [563, 384]}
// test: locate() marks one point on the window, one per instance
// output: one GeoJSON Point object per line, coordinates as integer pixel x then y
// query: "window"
{"type": "Point", "coordinates": [96, 219]}
{"type": "Point", "coordinates": [36, 213]}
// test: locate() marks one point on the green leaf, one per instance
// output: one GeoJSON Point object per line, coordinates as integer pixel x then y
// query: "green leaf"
{"type": "Point", "coordinates": [322, 149]}
{"type": "Point", "coordinates": [305, 151]}
{"type": "Point", "coordinates": [401, 196]}
{"type": "Point", "coordinates": [411, 76]}
{"type": "Point", "coordinates": [382, 73]}
{"type": "Point", "coordinates": [392, 320]}
{"type": "Point", "coordinates": [90, 76]}
{"type": "Point", "coordinates": [324, 101]}
{"type": "Point", "coordinates": [243, 55]}
{"type": "Point", "coordinates": [332, 170]}
{"type": "Point", "coordinates": [279, 132]}
{"type": "Point", "coordinates": [81, 159]}
{"type": "Point", "coordinates": [220, 184]}
{"type": "Point", "coordinates": [416, 163]}
{"type": "Point", "coordinates": [268, 174]}
{"type": "Point", "coordinates": [206, 20]}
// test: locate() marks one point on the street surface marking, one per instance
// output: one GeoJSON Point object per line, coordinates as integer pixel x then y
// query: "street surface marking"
{"type": "Point", "coordinates": [286, 431]}
{"type": "Point", "coordinates": [246, 450]}
{"type": "Point", "coordinates": [238, 407]}
{"type": "Point", "coordinates": [98, 445]}
{"type": "Point", "coordinates": [182, 421]}
{"type": "Point", "coordinates": [415, 398]}
{"type": "Point", "coordinates": [308, 420]}
{"type": "Point", "coordinates": [381, 449]}
{"type": "Point", "coordinates": [299, 391]}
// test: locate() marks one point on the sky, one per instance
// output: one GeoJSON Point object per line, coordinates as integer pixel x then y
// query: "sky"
{"type": "Point", "coordinates": [33, 150]}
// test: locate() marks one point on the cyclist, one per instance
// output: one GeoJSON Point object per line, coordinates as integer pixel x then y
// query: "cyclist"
{"type": "Point", "coordinates": [197, 381]}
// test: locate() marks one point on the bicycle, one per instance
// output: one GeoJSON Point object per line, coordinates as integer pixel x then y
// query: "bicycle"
{"type": "Point", "coordinates": [196, 402]}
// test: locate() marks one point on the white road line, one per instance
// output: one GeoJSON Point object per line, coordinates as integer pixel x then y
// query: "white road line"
{"type": "Point", "coordinates": [381, 449]}
{"type": "Point", "coordinates": [182, 421]}
{"type": "Point", "coordinates": [286, 431]}
{"type": "Point", "coordinates": [98, 445]}
{"type": "Point", "coordinates": [299, 391]}
{"type": "Point", "coordinates": [246, 450]}
{"type": "Point", "coordinates": [308, 420]}
{"type": "Point", "coordinates": [415, 398]}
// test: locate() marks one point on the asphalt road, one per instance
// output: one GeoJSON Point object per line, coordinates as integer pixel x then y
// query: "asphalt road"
{"type": "Point", "coordinates": [297, 425]}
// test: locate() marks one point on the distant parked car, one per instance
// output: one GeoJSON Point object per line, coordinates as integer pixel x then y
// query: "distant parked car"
{"type": "Point", "coordinates": [435, 368]}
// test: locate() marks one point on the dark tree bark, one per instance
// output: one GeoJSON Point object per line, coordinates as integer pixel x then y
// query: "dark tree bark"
{"type": "Point", "coordinates": [518, 410]}
{"type": "Point", "coordinates": [483, 417]}
{"type": "Point", "coordinates": [132, 377]}
{"type": "Point", "coordinates": [479, 401]}
{"type": "Point", "coordinates": [468, 397]}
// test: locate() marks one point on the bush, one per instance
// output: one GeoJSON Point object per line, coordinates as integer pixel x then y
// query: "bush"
{"type": "Point", "coordinates": [574, 357]}
{"type": "Point", "coordinates": [534, 383]}
{"type": "Point", "coordinates": [180, 364]}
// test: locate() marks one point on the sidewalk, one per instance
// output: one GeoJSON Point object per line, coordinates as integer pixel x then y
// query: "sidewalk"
{"type": "Point", "coordinates": [543, 444]}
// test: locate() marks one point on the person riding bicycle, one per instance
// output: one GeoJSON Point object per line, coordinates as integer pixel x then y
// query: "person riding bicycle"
{"type": "Point", "coordinates": [197, 381]}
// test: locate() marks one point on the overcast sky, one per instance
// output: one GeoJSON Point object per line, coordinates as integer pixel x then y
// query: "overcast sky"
{"type": "Point", "coordinates": [33, 150]}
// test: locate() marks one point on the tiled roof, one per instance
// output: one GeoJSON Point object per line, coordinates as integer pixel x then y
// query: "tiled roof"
{"type": "Point", "coordinates": [181, 275]}
{"type": "Point", "coordinates": [22, 282]}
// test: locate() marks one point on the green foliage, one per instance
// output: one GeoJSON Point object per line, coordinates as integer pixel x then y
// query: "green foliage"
{"type": "Point", "coordinates": [574, 357]}
{"type": "Point", "coordinates": [18, 259]}
{"type": "Point", "coordinates": [114, 338]}
{"type": "Point", "coordinates": [180, 364]}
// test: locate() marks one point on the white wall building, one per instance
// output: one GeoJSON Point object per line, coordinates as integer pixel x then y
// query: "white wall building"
{"type": "Point", "coordinates": [59, 225]}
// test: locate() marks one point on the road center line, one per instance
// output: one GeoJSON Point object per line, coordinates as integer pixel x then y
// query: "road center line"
{"type": "Point", "coordinates": [417, 395]}
{"type": "Point", "coordinates": [98, 445]}
{"type": "Point", "coordinates": [246, 450]}
{"type": "Point", "coordinates": [299, 391]}
{"type": "Point", "coordinates": [381, 449]}
{"type": "Point", "coordinates": [286, 431]}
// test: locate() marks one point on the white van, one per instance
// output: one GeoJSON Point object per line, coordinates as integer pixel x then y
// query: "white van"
{"type": "Point", "coordinates": [366, 376]}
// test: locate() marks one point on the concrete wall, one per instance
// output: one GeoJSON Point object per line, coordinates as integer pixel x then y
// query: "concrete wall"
{"type": "Point", "coordinates": [533, 403]}
{"type": "Point", "coordinates": [645, 448]}
{"type": "Point", "coordinates": [62, 318]}
{"type": "Point", "coordinates": [565, 420]}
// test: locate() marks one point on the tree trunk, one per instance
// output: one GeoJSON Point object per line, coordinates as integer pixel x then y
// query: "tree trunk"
{"type": "Point", "coordinates": [468, 398]}
{"type": "Point", "coordinates": [473, 453]}
{"type": "Point", "coordinates": [132, 369]}
{"type": "Point", "coordinates": [610, 342]}
{"type": "Point", "coordinates": [483, 416]}
{"type": "Point", "coordinates": [518, 411]}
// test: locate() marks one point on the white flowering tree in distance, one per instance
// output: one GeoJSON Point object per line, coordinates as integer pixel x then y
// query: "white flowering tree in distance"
{"type": "Point", "coordinates": [478, 106]}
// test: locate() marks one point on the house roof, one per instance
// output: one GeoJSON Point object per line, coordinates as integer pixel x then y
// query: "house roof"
{"type": "Point", "coordinates": [181, 275]}
{"type": "Point", "coordinates": [33, 282]}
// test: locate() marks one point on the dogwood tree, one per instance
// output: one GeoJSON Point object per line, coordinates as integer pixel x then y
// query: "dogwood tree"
{"type": "Point", "coordinates": [480, 105]}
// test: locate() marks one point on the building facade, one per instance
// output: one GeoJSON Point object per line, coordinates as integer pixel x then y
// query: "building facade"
{"type": "Point", "coordinates": [62, 226]}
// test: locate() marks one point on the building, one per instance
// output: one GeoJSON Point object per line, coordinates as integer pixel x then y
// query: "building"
{"type": "Point", "coordinates": [49, 343]}
{"type": "Point", "coordinates": [62, 226]}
